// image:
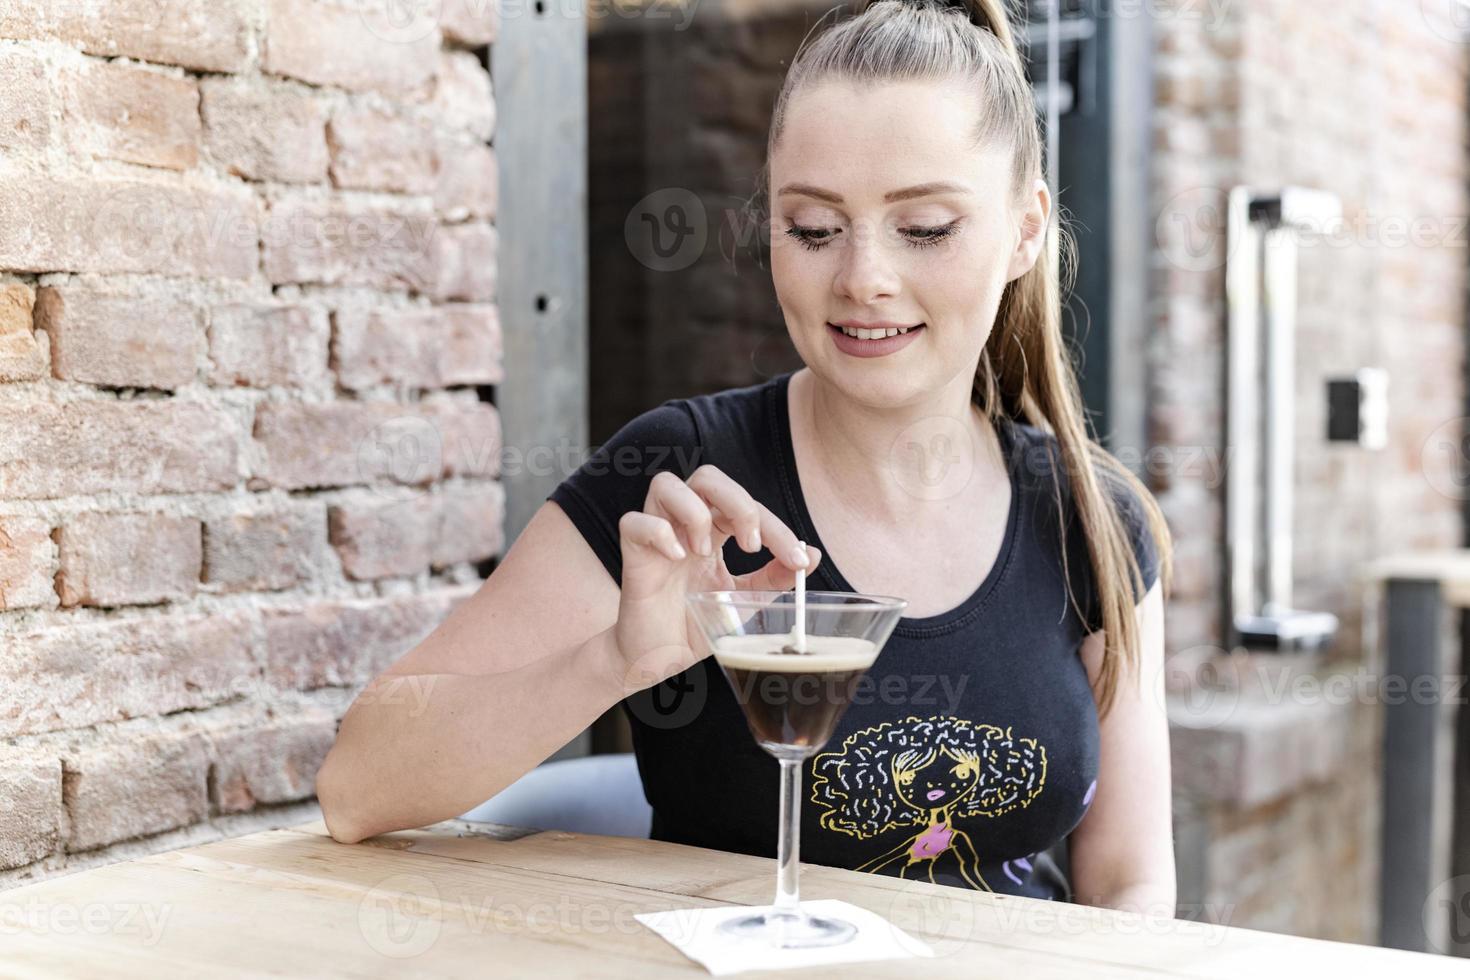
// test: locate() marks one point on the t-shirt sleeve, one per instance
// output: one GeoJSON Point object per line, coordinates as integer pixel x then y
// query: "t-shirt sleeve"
{"type": "Point", "coordinates": [1131, 509]}
{"type": "Point", "coordinates": [614, 479]}
{"type": "Point", "coordinates": [1135, 525]}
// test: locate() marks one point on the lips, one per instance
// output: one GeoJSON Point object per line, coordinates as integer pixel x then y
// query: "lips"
{"type": "Point", "coordinates": [879, 347]}
{"type": "Point", "coordinates": [933, 794]}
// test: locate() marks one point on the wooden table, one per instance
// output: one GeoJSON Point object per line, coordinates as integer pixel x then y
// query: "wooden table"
{"type": "Point", "coordinates": [476, 900]}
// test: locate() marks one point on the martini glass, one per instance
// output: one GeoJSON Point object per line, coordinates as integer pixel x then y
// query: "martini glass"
{"type": "Point", "coordinates": [793, 689]}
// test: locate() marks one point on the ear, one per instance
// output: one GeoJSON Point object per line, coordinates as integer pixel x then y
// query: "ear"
{"type": "Point", "coordinates": [1033, 218]}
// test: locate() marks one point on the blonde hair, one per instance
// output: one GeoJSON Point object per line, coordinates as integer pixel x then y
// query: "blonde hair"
{"type": "Point", "coordinates": [1024, 373]}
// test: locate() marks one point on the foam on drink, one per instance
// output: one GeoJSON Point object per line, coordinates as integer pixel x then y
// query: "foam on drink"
{"type": "Point", "coordinates": [762, 651]}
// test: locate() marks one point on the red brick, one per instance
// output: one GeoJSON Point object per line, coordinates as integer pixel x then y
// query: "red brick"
{"type": "Point", "coordinates": [336, 243]}
{"type": "Point", "coordinates": [75, 675]}
{"type": "Point", "coordinates": [80, 224]}
{"type": "Point", "coordinates": [472, 439]}
{"type": "Point", "coordinates": [327, 43]}
{"type": "Point", "coordinates": [21, 357]}
{"type": "Point", "coordinates": [54, 449]}
{"type": "Point", "coordinates": [269, 550]}
{"type": "Point", "coordinates": [27, 564]}
{"type": "Point", "coordinates": [462, 95]}
{"type": "Point", "coordinates": [128, 559]}
{"type": "Point", "coordinates": [347, 643]}
{"type": "Point", "coordinates": [469, 178]}
{"type": "Point", "coordinates": [374, 347]}
{"type": "Point", "coordinates": [208, 37]}
{"type": "Point", "coordinates": [471, 524]}
{"type": "Point", "coordinates": [30, 820]}
{"type": "Point", "coordinates": [273, 764]}
{"type": "Point", "coordinates": [473, 23]}
{"type": "Point", "coordinates": [472, 351]}
{"type": "Point", "coordinates": [344, 443]}
{"type": "Point", "coordinates": [125, 339]}
{"type": "Point", "coordinates": [265, 130]}
{"type": "Point", "coordinates": [265, 346]}
{"type": "Point", "coordinates": [347, 443]}
{"type": "Point", "coordinates": [122, 112]}
{"type": "Point", "coordinates": [25, 100]}
{"type": "Point", "coordinates": [464, 262]}
{"type": "Point", "coordinates": [424, 348]}
{"type": "Point", "coordinates": [155, 782]}
{"type": "Point", "coordinates": [379, 151]}
{"type": "Point", "coordinates": [377, 538]}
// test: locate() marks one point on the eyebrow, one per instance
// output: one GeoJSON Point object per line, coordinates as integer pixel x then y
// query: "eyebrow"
{"type": "Point", "coordinates": [918, 190]}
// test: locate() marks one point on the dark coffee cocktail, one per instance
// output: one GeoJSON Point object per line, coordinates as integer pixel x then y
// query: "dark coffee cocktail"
{"type": "Point", "coordinates": [794, 699]}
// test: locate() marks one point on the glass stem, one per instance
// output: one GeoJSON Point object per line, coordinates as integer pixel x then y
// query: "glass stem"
{"type": "Point", "coordinates": [788, 845]}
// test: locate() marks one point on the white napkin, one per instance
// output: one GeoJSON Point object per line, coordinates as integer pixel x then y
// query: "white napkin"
{"type": "Point", "coordinates": [694, 933]}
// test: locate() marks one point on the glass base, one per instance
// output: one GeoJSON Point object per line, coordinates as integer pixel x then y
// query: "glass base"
{"type": "Point", "coordinates": [789, 930]}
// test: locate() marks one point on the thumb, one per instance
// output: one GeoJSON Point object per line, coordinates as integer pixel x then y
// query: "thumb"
{"type": "Point", "coordinates": [776, 576]}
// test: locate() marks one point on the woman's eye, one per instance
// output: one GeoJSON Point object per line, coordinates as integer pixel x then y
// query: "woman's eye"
{"type": "Point", "coordinates": [812, 238]}
{"type": "Point", "coordinates": [932, 236]}
{"type": "Point", "coordinates": [919, 237]}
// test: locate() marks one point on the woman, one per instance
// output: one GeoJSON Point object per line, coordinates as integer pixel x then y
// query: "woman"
{"type": "Point", "coordinates": [932, 447]}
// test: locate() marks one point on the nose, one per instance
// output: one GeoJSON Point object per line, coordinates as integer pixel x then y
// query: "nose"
{"type": "Point", "coordinates": [866, 274]}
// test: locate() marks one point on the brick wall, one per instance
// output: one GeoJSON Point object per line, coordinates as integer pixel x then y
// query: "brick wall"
{"type": "Point", "coordinates": [248, 446]}
{"type": "Point", "coordinates": [1366, 100]}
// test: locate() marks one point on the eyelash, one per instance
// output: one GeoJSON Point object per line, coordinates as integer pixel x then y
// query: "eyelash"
{"type": "Point", "coordinates": [936, 235]}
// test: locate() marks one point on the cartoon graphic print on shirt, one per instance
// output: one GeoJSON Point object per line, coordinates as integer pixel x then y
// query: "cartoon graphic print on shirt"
{"type": "Point", "coordinates": [926, 773]}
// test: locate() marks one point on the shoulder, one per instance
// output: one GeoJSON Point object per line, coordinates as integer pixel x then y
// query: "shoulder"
{"type": "Point", "coordinates": [1039, 461]}
{"type": "Point", "coordinates": [696, 429]}
{"type": "Point", "coordinates": [726, 428]}
{"type": "Point", "coordinates": [1040, 468]}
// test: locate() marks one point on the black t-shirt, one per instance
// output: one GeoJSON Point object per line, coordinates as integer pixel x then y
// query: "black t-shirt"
{"type": "Point", "coordinates": [987, 702]}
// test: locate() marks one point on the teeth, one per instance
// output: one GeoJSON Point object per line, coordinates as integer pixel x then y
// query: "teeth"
{"type": "Point", "coordinates": [862, 334]}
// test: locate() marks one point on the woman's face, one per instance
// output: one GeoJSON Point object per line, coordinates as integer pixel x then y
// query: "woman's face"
{"type": "Point", "coordinates": [943, 781]}
{"type": "Point", "coordinates": [851, 242]}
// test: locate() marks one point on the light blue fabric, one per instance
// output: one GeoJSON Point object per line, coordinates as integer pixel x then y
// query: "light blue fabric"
{"type": "Point", "coordinates": [596, 794]}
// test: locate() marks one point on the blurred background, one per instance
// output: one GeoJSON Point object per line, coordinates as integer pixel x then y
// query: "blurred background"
{"type": "Point", "coordinates": [305, 306]}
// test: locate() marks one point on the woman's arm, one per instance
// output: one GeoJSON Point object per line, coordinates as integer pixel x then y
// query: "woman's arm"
{"type": "Point", "coordinates": [547, 644]}
{"type": "Point", "coordinates": [1122, 853]}
{"type": "Point", "coordinates": [517, 671]}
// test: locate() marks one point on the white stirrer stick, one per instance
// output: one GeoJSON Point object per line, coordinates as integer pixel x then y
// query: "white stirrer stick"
{"type": "Point", "coordinates": [801, 603]}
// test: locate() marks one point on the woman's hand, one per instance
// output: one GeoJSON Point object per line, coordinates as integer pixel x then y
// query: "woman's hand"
{"type": "Point", "coordinates": [675, 545]}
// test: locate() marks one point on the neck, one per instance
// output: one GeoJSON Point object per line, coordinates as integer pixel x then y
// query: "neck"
{"type": "Point", "coordinates": [909, 461]}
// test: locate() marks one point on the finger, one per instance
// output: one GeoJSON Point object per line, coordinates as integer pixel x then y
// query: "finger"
{"type": "Point", "coordinates": [775, 576]}
{"type": "Point", "coordinates": [652, 532]}
{"type": "Point", "coordinates": [784, 543]}
{"type": "Point", "coordinates": [671, 497]}
{"type": "Point", "coordinates": [738, 512]}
